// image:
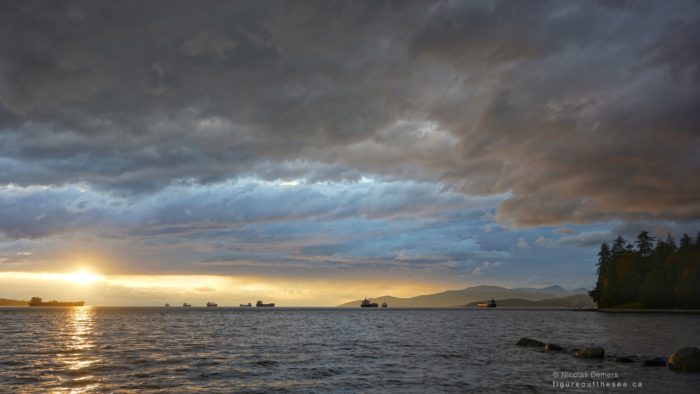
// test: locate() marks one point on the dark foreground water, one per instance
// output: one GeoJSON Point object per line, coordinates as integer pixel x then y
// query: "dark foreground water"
{"type": "Point", "coordinates": [332, 350]}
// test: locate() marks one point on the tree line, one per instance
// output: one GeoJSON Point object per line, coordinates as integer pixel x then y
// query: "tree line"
{"type": "Point", "coordinates": [651, 273]}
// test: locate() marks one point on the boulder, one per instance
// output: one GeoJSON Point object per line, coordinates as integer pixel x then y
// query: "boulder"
{"type": "Point", "coordinates": [591, 352]}
{"type": "Point", "coordinates": [685, 360]}
{"type": "Point", "coordinates": [655, 362]}
{"type": "Point", "coordinates": [527, 342]}
{"type": "Point", "coordinates": [553, 347]}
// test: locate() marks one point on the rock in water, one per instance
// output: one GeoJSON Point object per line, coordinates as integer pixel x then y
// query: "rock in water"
{"type": "Point", "coordinates": [527, 342]}
{"type": "Point", "coordinates": [685, 360]}
{"type": "Point", "coordinates": [591, 352]}
{"type": "Point", "coordinates": [655, 362]}
{"type": "Point", "coordinates": [553, 347]}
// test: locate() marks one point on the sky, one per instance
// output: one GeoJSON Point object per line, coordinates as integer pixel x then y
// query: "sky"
{"type": "Point", "coordinates": [315, 152]}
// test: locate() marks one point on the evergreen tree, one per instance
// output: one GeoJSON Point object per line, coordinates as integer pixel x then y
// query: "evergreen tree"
{"type": "Point", "coordinates": [599, 292]}
{"type": "Point", "coordinates": [613, 292]}
{"type": "Point", "coordinates": [618, 247]}
{"type": "Point", "coordinates": [671, 242]}
{"type": "Point", "coordinates": [661, 275]}
{"type": "Point", "coordinates": [645, 244]}
{"type": "Point", "coordinates": [686, 243]}
{"type": "Point", "coordinates": [686, 274]}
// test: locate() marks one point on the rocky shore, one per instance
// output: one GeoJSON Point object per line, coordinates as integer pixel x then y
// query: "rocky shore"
{"type": "Point", "coordinates": [685, 360]}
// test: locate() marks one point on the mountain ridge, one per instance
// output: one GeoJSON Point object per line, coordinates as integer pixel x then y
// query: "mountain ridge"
{"type": "Point", "coordinates": [458, 298]}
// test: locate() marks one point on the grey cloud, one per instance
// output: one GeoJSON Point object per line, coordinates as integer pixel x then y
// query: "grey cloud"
{"type": "Point", "coordinates": [41, 213]}
{"type": "Point", "coordinates": [583, 239]}
{"type": "Point", "coordinates": [185, 210]}
{"type": "Point", "coordinates": [578, 111]}
{"type": "Point", "coordinates": [591, 238]}
{"type": "Point", "coordinates": [207, 43]}
{"type": "Point", "coordinates": [660, 229]}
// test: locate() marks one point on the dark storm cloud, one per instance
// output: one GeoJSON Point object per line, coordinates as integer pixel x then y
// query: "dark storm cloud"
{"type": "Point", "coordinates": [581, 111]}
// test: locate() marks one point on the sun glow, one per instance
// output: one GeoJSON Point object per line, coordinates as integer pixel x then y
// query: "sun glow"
{"type": "Point", "coordinates": [146, 290]}
{"type": "Point", "coordinates": [77, 277]}
{"type": "Point", "coordinates": [82, 277]}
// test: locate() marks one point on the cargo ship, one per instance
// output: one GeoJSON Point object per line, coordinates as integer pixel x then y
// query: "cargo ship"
{"type": "Point", "coordinates": [260, 304]}
{"type": "Point", "coordinates": [368, 304]}
{"type": "Point", "coordinates": [490, 304]}
{"type": "Point", "coordinates": [36, 301]}
{"type": "Point", "coordinates": [212, 304]}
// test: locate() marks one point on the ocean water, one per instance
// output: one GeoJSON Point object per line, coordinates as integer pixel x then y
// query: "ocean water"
{"type": "Point", "coordinates": [96, 349]}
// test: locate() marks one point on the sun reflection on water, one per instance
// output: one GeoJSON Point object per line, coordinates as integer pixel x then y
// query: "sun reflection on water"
{"type": "Point", "coordinates": [77, 359]}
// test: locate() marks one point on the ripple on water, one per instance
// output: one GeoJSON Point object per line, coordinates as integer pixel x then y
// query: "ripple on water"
{"type": "Point", "coordinates": [146, 349]}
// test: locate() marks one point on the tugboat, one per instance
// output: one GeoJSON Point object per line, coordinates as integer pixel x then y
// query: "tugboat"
{"type": "Point", "coordinates": [36, 301]}
{"type": "Point", "coordinates": [490, 304]}
{"type": "Point", "coordinates": [367, 304]}
{"type": "Point", "coordinates": [248, 305]}
{"type": "Point", "coordinates": [212, 304]}
{"type": "Point", "coordinates": [384, 305]}
{"type": "Point", "coordinates": [186, 305]}
{"type": "Point", "coordinates": [260, 304]}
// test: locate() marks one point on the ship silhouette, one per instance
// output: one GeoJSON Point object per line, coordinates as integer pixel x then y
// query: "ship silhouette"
{"type": "Point", "coordinates": [37, 301]}
{"type": "Point", "coordinates": [490, 304]}
{"type": "Point", "coordinates": [368, 304]}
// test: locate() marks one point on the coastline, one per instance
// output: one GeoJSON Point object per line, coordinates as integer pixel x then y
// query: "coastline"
{"type": "Point", "coordinates": [661, 311]}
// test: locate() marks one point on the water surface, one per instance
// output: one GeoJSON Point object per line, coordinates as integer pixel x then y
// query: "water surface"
{"type": "Point", "coordinates": [100, 349]}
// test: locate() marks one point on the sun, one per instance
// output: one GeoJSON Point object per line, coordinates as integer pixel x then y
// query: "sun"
{"type": "Point", "coordinates": [82, 277]}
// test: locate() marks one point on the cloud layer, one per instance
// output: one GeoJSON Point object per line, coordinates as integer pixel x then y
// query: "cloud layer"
{"type": "Point", "coordinates": [480, 141]}
{"type": "Point", "coordinates": [581, 111]}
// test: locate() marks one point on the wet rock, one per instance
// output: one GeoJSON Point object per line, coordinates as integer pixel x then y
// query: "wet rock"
{"type": "Point", "coordinates": [655, 362]}
{"type": "Point", "coordinates": [591, 352]}
{"type": "Point", "coordinates": [624, 360]}
{"type": "Point", "coordinates": [528, 342]}
{"type": "Point", "coordinates": [685, 360]}
{"type": "Point", "coordinates": [553, 347]}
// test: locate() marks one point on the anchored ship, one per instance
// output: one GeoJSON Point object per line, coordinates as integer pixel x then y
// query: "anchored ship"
{"type": "Point", "coordinates": [212, 304]}
{"type": "Point", "coordinates": [186, 305]}
{"type": "Point", "coordinates": [490, 304]}
{"type": "Point", "coordinates": [36, 301]}
{"type": "Point", "coordinates": [260, 304]}
{"type": "Point", "coordinates": [248, 305]}
{"type": "Point", "coordinates": [368, 304]}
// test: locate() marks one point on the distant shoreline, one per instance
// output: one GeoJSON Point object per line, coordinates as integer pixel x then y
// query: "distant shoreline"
{"type": "Point", "coordinates": [470, 308]}
{"type": "Point", "coordinates": [625, 310]}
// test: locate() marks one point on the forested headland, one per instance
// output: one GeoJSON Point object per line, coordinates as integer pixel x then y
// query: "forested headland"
{"type": "Point", "coordinates": [651, 273]}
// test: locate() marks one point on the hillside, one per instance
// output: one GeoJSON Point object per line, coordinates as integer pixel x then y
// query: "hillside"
{"type": "Point", "coordinates": [456, 298]}
{"type": "Point", "coordinates": [582, 300]}
{"type": "Point", "coordinates": [555, 290]}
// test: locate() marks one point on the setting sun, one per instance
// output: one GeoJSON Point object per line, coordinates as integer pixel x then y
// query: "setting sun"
{"type": "Point", "coordinates": [81, 277]}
